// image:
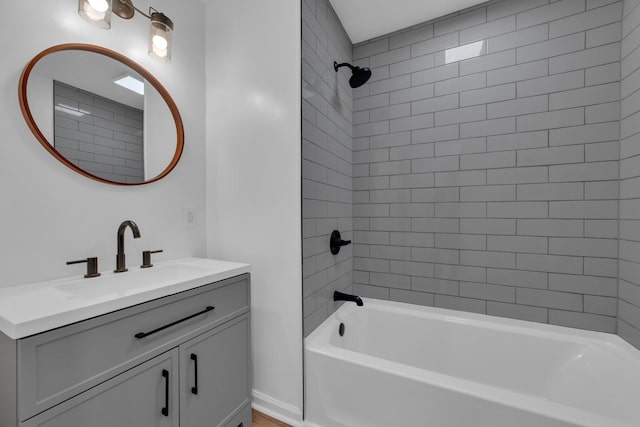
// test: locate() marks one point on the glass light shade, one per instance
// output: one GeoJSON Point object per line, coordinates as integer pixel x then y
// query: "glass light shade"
{"type": "Point", "coordinates": [97, 12]}
{"type": "Point", "coordinates": [160, 37]}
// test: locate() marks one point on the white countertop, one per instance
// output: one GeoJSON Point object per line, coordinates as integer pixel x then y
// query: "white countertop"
{"type": "Point", "coordinates": [37, 307]}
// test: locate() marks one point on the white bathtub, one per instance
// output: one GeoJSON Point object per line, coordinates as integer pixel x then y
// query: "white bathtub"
{"type": "Point", "coordinates": [400, 365]}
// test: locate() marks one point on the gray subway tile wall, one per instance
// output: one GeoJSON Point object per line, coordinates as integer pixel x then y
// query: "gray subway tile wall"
{"type": "Point", "coordinates": [327, 151]}
{"type": "Point", "coordinates": [105, 140]}
{"type": "Point", "coordinates": [629, 267]}
{"type": "Point", "coordinates": [490, 184]}
{"type": "Point", "coordinates": [498, 184]}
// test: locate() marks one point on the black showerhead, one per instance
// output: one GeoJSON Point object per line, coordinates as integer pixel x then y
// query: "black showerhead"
{"type": "Point", "coordinates": [359, 76]}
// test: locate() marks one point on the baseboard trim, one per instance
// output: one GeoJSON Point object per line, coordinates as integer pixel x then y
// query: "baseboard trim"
{"type": "Point", "coordinates": [276, 409]}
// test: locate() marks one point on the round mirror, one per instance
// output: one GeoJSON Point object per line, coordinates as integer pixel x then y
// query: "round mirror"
{"type": "Point", "coordinates": [101, 114]}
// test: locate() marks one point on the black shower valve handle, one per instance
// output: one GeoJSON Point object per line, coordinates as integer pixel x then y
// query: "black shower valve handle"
{"type": "Point", "coordinates": [341, 242]}
{"type": "Point", "coordinates": [336, 242]}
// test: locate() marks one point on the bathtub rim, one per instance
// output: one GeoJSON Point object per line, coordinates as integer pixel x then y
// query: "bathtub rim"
{"type": "Point", "coordinates": [574, 335]}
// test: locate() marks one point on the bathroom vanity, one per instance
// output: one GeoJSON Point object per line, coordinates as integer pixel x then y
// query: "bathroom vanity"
{"type": "Point", "coordinates": [165, 346]}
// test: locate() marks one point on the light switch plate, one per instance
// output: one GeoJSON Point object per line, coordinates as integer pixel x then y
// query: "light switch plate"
{"type": "Point", "coordinates": [189, 217]}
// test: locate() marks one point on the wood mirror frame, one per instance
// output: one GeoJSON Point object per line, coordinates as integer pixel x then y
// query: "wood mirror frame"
{"type": "Point", "coordinates": [33, 126]}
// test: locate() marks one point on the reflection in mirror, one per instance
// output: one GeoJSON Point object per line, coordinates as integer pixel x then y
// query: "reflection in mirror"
{"type": "Point", "coordinates": [100, 135]}
{"type": "Point", "coordinates": [108, 119]}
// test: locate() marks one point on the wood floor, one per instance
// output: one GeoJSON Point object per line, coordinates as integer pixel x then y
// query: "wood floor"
{"type": "Point", "coordinates": [261, 420]}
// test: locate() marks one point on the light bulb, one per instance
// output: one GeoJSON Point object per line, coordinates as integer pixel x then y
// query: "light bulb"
{"type": "Point", "coordinates": [97, 12]}
{"type": "Point", "coordinates": [93, 15]}
{"type": "Point", "coordinates": [99, 5]}
{"type": "Point", "coordinates": [160, 42]}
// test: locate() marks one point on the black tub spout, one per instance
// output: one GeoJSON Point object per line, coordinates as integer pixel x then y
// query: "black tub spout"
{"type": "Point", "coordinates": [339, 296]}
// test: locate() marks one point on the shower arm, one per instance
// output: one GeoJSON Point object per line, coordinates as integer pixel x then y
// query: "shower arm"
{"type": "Point", "coordinates": [344, 64]}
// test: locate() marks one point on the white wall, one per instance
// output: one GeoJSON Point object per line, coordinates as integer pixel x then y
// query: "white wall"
{"type": "Point", "coordinates": [51, 214]}
{"type": "Point", "coordinates": [253, 180]}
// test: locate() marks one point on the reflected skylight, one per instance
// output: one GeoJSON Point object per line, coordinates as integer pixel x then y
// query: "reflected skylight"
{"type": "Point", "coordinates": [131, 83]}
{"type": "Point", "coordinates": [466, 51]}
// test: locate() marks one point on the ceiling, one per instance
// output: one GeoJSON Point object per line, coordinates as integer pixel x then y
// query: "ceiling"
{"type": "Point", "coordinates": [366, 19]}
{"type": "Point", "coordinates": [62, 66]}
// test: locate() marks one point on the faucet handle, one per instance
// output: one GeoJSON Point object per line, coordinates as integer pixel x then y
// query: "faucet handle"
{"type": "Point", "coordinates": [92, 266]}
{"type": "Point", "coordinates": [336, 242]}
{"type": "Point", "coordinates": [146, 258]}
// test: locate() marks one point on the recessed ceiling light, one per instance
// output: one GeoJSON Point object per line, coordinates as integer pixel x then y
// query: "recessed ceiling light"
{"type": "Point", "coordinates": [131, 83]}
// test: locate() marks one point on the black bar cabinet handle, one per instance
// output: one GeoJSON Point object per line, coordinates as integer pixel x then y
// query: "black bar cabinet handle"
{"type": "Point", "coordinates": [194, 357]}
{"type": "Point", "coordinates": [165, 410]}
{"type": "Point", "coordinates": [141, 335]}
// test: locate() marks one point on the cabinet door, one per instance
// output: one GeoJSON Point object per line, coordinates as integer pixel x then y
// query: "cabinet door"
{"type": "Point", "coordinates": [221, 388]}
{"type": "Point", "coordinates": [145, 396]}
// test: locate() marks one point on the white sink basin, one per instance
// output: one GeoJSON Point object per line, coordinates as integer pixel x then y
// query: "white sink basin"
{"type": "Point", "coordinates": [34, 308]}
{"type": "Point", "coordinates": [132, 281]}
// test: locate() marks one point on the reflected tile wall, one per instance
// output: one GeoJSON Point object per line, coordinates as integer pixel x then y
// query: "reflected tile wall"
{"type": "Point", "coordinates": [100, 136]}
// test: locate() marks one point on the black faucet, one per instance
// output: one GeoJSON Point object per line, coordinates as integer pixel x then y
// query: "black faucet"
{"type": "Point", "coordinates": [121, 265]}
{"type": "Point", "coordinates": [339, 296]}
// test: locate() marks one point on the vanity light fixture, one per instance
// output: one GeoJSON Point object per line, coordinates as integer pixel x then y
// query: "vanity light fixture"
{"type": "Point", "coordinates": [98, 12]}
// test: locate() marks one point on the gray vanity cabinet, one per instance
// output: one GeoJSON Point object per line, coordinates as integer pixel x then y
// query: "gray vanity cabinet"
{"type": "Point", "coordinates": [102, 373]}
{"type": "Point", "coordinates": [135, 398]}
